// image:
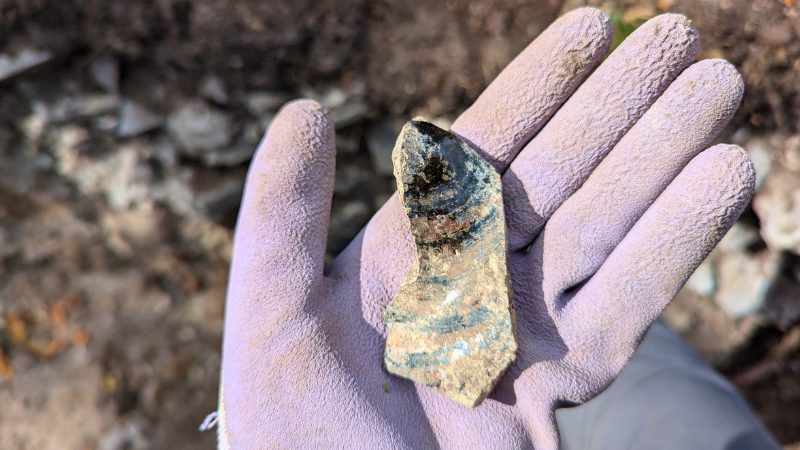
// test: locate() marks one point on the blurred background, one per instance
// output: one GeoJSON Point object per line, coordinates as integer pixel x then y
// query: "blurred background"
{"type": "Point", "coordinates": [126, 129]}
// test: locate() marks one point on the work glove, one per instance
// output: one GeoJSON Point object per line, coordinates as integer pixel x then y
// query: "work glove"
{"type": "Point", "coordinates": [612, 199]}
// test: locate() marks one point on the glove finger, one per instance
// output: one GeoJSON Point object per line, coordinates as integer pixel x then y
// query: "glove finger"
{"type": "Point", "coordinates": [534, 85]}
{"type": "Point", "coordinates": [615, 307]}
{"type": "Point", "coordinates": [679, 125]}
{"type": "Point", "coordinates": [514, 107]}
{"type": "Point", "coordinates": [558, 160]}
{"type": "Point", "coordinates": [279, 248]}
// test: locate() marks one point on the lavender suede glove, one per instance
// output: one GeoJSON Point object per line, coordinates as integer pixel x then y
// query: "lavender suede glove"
{"type": "Point", "coordinates": [612, 200]}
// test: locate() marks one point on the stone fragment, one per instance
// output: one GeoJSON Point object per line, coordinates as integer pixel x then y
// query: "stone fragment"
{"type": "Point", "coordinates": [347, 217]}
{"type": "Point", "coordinates": [745, 281]}
{"type": "Point", "coordinates": [349, 113]}
{"type": "Point", "coordinates": [265, 103]}
{"type": "Point", "coordinates": [348, 142]}
{"type": "Point", "coordinates": [739, 238]}
{"type": "Point", "coordinates": [349, 178]}
{"type": "Point", "coordinates": [380, 141]}
{"type": "Point", "coordinates": [105, 72]}
{"type": "Point", "coordinates": [778, 208]}
{"type": "Point", "coordinates": [21, 61]}
{"type": "Point", "coordinates": [199, 128]}
{"type": "Point", "coordinates": [78, 107]}
{"type": "Point", "coordinates": [783, 305]}
{"type": "Point", "coordinates": [450, 326]}
{"type": "Point", "coordinates": [135, 119]}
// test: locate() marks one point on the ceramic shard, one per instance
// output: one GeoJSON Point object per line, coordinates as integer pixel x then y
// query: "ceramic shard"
{"type": "Point", "coordinates": [450, 326]}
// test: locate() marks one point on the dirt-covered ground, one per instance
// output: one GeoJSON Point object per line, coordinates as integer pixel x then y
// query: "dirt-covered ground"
{"type": "Point", "coordinates": [125, 133]}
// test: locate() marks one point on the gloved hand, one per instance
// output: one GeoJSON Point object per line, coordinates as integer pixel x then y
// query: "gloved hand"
{"type": "Point", "coordinates": [611, 203]}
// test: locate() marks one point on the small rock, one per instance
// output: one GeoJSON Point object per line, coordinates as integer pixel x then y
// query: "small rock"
{"type": "Point", "coordinates": [199, 128]}
{"type": "Point", "coordinates": [345, 106]}
{"type": "Point", "coordinates": [21, 61]}
{"type": "Point", "coordinates": [66, 149]}
{"type": "Point", "coordinates": [346, 219]}
{"type": "Point", "coordinates": [783, 307]}
{"type": "Point", "coordinates": [348, 114]}
{"type": "Point", "coordinates": [265, 103]}
{"type": "Point", "coordinates": [761, 155]}
{"type": "Point", "coordinates": [212, 87]}
{"type": "Point", "coordinates": [791, 152]}
{"type": "Point", "coordinates": [778, 208]}
{"type": "Point", "coordinates": [380, 142]}
{"type": "Point", "coordinates": [739, 238]}
{"type": "Point", "coordinates": [380, 198]}
{"type": "Point", "coordinates": [33, 126]}
{"type": "Point", "coordinates": [702, 281]}
{"type": "Point", "coordinates": [219, 199]}
{"type": "Point", "coordinates": [106, 123]}
{"type": "Point", "coordinates": [740, 137]}
{"type": "Point", "coordinates": [349, 177]}
{"type": "Point", "coordinates": [745, 280]}
{"type": "Point", "coordinates": [125, 437]}
{"type": "Point", "coordinates": [347, 143]}
{"type": "Point", "coordinates": [164, 152]}
{"type": "Point", "coordinates": [105, 72]}
{"type": "Point", "coordinates": [135, 119]}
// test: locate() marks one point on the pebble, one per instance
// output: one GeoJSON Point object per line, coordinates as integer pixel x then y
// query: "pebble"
{"type": "Point", "coordinates": [229, 157]}
{"type": "Point", "coordinates": [82, 106]}
{"type": "Point", "coordinates": [761, 155]}
{"type": "Point", "coordinates": [739, 238]}
{"type": "Point", "coordinates": [703, 280]}
{"type": "Point", "coordinates": [745, 281]}
{"type": "Point", "coordinates": [346, 219]}
{"type": "Point", "coordinates": [778, 208]}
{"type": "Point", "coordinates": [199, 128]}
{"type": "Point", "coordinates": [12, 64]}
{"type": "Point", "coordinates": [212, 88]}
{"type": "Point", "coordinates": [105, 72]}
{"type": "Point", "coordinates": [265, 103]}
{"type": "Point", "coordinates": [346, 106]}
{"type": "Point", "coordinates": [347, 143]}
